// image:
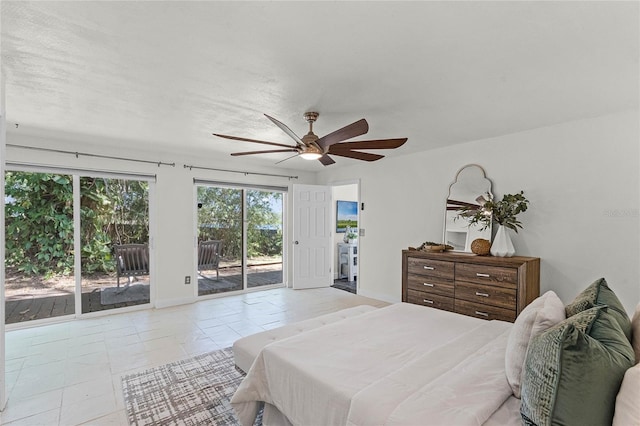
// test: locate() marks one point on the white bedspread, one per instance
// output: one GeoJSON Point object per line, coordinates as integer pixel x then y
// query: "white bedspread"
{"type": "Point", "coordinates": [403, 364]}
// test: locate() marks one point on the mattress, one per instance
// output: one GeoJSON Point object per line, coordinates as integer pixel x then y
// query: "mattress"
{"type": "Point", "coordinates": [246, 349]}
{"type": "Point", "coordinates": [402, 364]}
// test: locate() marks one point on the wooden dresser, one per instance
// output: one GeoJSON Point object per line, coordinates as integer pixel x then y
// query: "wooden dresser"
{"type": "Point", "coordinates": [480, 286]}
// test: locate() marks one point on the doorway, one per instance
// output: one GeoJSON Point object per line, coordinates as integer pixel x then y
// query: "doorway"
{"type": "Point", "coordinates": [64, 235]}
{"type": "Point", "coordinates": [239, 237]}
{"type": "Point", "coordinates": [346, 237]}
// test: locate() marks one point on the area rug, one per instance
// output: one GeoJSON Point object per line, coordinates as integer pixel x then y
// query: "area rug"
{"type": "Point", "coordinates": [124, 294]}
{"type": "Point", "coordinates": [194, 391]}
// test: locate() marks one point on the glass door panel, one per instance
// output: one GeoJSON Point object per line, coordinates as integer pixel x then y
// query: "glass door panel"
{"type": "Point", "coordinates": [39, 281]}
{"type": "Point", "coordinates": [220, 238]}
{"type": "Point", "coordinates": [114, 234]}
{"type": "Point", "coordinates": [264, 238]}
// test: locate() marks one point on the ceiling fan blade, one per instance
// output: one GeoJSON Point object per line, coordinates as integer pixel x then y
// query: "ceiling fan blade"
{"type": "Point", "coordinates": [358, 128]}
{"type": "Point", "coordinates": [235, 154]}
{"type": "Point", "coordinates": [358, 155]}
{"type": "Point", "coordinates": [372, 144]}
{"type": "Point", "coordinates": [288, 158]}
{"type": "Point", "coordinates": [326, 160]}
{"type": "Point", "coordinates": [286, 129]}
{"type": "Point", "coordinates": [236, 138]}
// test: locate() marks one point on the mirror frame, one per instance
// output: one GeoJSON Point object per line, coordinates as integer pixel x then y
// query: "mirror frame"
{"type": "Point", "coordinates": [486, 234]}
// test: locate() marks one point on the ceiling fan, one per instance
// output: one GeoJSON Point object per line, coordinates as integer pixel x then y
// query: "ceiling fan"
{"type": "Point", "coordinates": [312, 147]}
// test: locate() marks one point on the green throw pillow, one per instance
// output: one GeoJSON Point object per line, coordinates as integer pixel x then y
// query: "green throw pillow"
{"type": "Point", "coordinates": [573, 371]}
{"type": "Point", "coordinates": [599, 294]}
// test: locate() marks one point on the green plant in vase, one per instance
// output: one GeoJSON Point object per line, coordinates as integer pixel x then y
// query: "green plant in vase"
{"type": "Point", "coordinates": [349, 235]}
{"type": "Point", "coordinates": [504, 213]}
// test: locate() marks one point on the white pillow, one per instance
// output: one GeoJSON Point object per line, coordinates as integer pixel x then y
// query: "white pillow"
{"type": "Point", "coordinates": [635, 332]}
{"type": "Point", "coordinates": [627, 407]}
{"type": "Point", "coordinates": [541, 314]}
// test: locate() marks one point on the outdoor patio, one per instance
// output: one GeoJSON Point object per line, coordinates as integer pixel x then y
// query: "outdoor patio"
{"type": "Point", "coordinates": [54, 298]}
{"type": "Point", "coordinates": [257, 276]}
{"type": "Point", "coordinates": [35, 308]}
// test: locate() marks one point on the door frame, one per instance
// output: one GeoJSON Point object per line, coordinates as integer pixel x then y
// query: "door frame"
{"type": "Point", "coordinates": [76, 174]}
{"type": "Point", "coordinates": [285, 191]}
{"type": "Point", "coordinates": [356, 182]}
{"type": "Point", "coordinates": [151, 212]}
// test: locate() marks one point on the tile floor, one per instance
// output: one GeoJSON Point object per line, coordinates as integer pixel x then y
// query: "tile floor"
{"type": "Point", "coordinates": [70, 373]}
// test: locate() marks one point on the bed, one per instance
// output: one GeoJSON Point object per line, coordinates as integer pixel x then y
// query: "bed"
{"type": "Point", "coordinates": [402, 364]}
{"type": "Point", "coordinates": [405, 355]}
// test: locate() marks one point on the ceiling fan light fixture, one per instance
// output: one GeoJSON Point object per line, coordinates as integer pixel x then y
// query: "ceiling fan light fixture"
{"type": "Point", "coordinates": [310, 155]}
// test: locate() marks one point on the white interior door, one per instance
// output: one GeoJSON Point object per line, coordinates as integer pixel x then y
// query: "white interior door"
{"type": "Point", "coordinates": [311, 236]}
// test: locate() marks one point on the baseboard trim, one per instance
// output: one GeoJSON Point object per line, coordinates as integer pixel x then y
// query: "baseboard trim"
{"type": "Point", "coordinates": [377, 296]}
{"type": "Point", "coordinates": [174, 302]}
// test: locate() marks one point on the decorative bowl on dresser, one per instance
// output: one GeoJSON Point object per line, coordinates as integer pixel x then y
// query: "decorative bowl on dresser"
{"type": "Point", "coordinates": [480, 286]}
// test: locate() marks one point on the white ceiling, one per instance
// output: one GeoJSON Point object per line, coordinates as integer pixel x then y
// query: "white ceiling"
{"type": "Point", "coordinates": [164, 75]}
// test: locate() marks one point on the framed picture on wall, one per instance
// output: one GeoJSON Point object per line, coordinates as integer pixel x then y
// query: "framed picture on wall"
{"type": "Point", "coordinates": [346, 215]}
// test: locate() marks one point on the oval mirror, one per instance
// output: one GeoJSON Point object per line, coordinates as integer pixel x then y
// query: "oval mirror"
{"type": "Point", "coordinates": [469, 189]}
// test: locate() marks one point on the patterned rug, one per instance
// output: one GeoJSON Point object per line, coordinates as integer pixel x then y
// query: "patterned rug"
{"type": "Point", "coordinates": [194, 391]}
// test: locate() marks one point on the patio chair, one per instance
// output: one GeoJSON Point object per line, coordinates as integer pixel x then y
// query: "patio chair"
{"type": "Point", "coordinates": [209, 256]}
{"type": "Point", "coordinates": [132, 260]}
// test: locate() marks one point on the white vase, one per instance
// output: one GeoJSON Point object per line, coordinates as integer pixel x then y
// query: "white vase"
{"type": "Point", "coordinates": [502, 245]}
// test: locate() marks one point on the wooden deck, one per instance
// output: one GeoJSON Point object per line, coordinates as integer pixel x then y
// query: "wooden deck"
{"type": "Point", "coordinates": [208, 285]}
{"type": "Point", "coordinates": [35, 308]}
{"type": "Point", "coordinates": [27, 308]}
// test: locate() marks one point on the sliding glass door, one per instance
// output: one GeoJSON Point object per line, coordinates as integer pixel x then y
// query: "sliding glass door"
{"type": "Point", "coordinates": [39, 262]}
{"type": "Point", "coordinates": [114, 236]}
{"type": "Point", "coordinates": [220, 258]}
{"type": "Point", "coordinates": [264, 238]}
{"type": "Point", "coordinates": [74, 244]}
{"type": "Point", "coordinates": [240, 235]}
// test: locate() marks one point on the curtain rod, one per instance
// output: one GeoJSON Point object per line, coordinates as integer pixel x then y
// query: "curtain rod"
{"type": "Point", "coordinates": [237, 171]}
{"type": "Point", "coordinates": [78, 154]}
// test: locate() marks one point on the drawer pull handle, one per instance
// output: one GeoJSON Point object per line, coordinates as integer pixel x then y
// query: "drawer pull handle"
{"type": "Point", "coordinates": [478, 274]}
{"type": "Point", "coordinates": [428, 284]}
{"type": "Point", "coordinates": [428, 301]}
{"type": "Point", "coordinates": [482, 314]}
{"type": "Point", "coordinates": [482, 294]}
{"type": "Point", "coordinates": [429, 268]}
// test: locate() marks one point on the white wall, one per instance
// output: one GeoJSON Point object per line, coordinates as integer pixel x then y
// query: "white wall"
{"type": "Point", "coordinates": [582, 179]}
{"type": "Point", "coordinates": [174, 246]}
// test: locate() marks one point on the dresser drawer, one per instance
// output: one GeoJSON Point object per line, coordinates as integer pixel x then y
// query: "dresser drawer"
{"type": "Point", "coordinates": [487, 312]}
{"type": "Point", "coordinates": [486, 294]}
{"type": "Point", "coordinates": [494, 287]}
{"type": "Point", "coordinates": [484, 274]}
{"type": "Point", "coordinates": [430, 285]}
{"type": "Point", "coordinates": [426, 299]}
{"type": "Point", "coordinates": [430, 268]}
